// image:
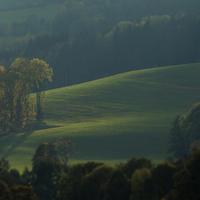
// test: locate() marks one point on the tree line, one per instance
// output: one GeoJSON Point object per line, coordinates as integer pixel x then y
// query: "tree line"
{"type": "Point", "coordinates": [17, 83]}
{"type": "Point", "coordinates": [136, 179]}
{"type": "Point", "coordinates": [130, 44]}
{"type": "Point", "coordinates": [51, 176]}
{"type": "Point", "coordinates": [90, 39]}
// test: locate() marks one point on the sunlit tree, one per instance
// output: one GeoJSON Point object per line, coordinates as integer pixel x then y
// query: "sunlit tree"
{"type": "Point", "coordinates": [17, 83]}
{"type": "Point", "coordinates": [41, 72]}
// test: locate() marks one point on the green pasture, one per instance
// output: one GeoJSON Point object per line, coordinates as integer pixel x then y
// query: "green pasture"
{"type": "Point", "coordinates": [113, 118]}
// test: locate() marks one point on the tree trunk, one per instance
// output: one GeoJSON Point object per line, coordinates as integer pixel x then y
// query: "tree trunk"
{"type": "Point", "coordinates": [39, 112]}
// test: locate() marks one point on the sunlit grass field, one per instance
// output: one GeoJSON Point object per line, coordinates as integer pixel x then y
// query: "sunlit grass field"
{"type": "Point", "coordinates": [113, 118]}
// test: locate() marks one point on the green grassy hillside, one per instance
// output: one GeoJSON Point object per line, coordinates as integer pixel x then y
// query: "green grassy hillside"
{"type": "Point", "coordinates": [114, 118]}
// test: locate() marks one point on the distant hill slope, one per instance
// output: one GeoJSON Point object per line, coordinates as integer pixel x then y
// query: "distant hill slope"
{"type": "Point", "coordinates": [20, 20]}
{"type": "Point", "coordinates": [21, 4]}
{"type": "Point", "coordinates": [12, 11]}
{"type": "Point", "coordinates": [114, 118]}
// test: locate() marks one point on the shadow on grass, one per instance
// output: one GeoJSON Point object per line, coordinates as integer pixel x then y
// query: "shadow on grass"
{"type": "Point", "coordinates": [9, 142]}
{"type": "Point", "coordinates": [39, 125]}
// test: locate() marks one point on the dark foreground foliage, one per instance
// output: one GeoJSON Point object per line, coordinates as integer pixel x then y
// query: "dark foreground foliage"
{"type": "Point", "coordinates": [184, 134]}
{"type": "Point", "coordinates": [136, 179]}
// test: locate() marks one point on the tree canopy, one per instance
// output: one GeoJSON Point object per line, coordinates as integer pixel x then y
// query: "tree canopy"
{"type": "Point", "coordinates": [185, 133]}
{"type": "Point", "coordinates": [17, 82]}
